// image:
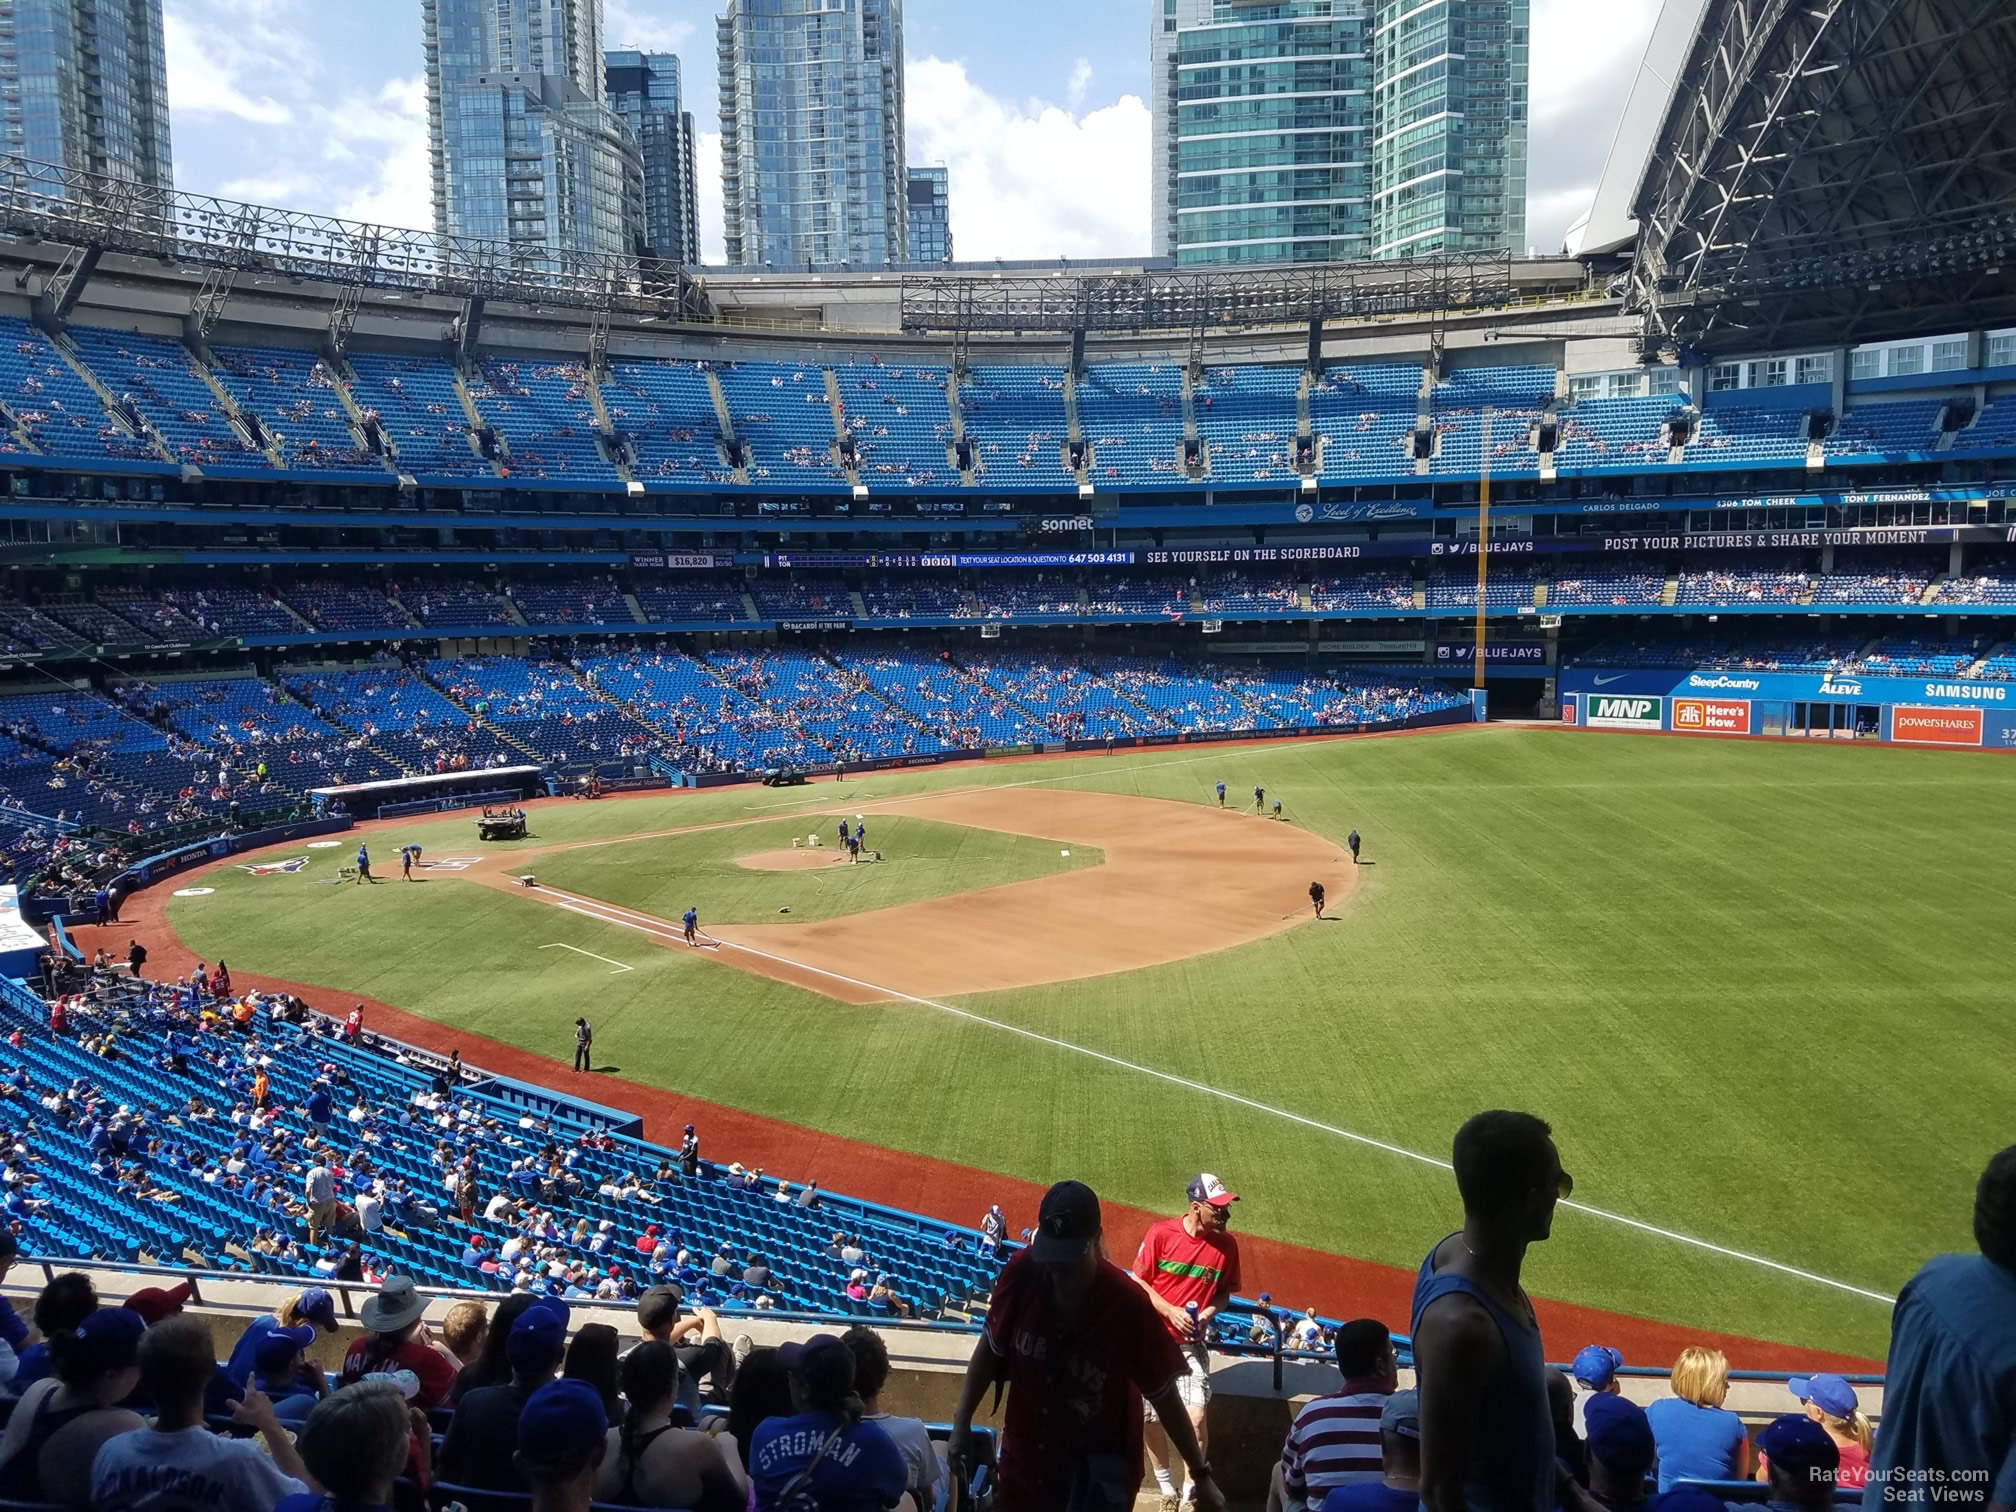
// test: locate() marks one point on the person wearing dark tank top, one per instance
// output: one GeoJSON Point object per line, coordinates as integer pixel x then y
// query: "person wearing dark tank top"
{"type": "Point", "coordinates": [1487, 1433]}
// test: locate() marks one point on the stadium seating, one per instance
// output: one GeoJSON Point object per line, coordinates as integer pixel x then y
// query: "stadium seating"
{"type": "Point", "coordinates": [225, 1199]}
{"type": "Point", "coordinates": [415, 401]}
{"type": "Point", "coordinates": [543, 412]}
{"type": "Point", "coordinates": [1028, 596]}
{"type": "Point", "coordinates": [329, 605]}
{"type": "Point", "coordinates": [249, 722]}
{"type": "Point", "coordinates": [403, 717]}
{"type": "Point", "coordinates": [1366, 417]}
{"type": "Point", "coordinates": [1762, 580]}
{"type": "Point", "coordinates": [667, 411]}
{"type": "Point", "coordinates": [831, 709]}
{"type": "Point", "coordinates": [708, 725]}
{"type": "Point", "coordinates": [1912, 656]}
{"type": "Point", "coordinates": [543, 709]}
{"type": "Point", "coordinates": [1754, 426]}
{"type": "Point", "coordinates": [897, 418]}
{"type": "Point", "coordinates": [1610, 582]}
{"type": "Point", "coordinates": [1865, 579]}
{"type": "Point", "coordinates": [1516, 398]}
{"type": "Point", "coordinates": [1070, 698]}
{"type": "Point", "coordinates": [957, 709]}
{"type": "Point", "coordinates": [1248, 595]}
{"type": "Point", "coordinates": [456, 605]}
{"type": "Point", "coordinates": [803, 595]}
{"type": "Point", "coordinates": [160, 379]}
{"type": "Point", "coordinates": [1505, 588]}
{"type": "Point", "coordinates": [1113, 594]}
{"type": "Point", "coordinates": [785, 417]}
{"type": "Point", "coordinates": [1598, 435]}
{"type": "Point", "coordinates": [1986, 582]}
{"type": "Point", "coordinates": [1880, 432]}
{"type": "Point", "coordinates": [1364, 590]}
{"type": "Point", "coordinates": [56, 408]}
{"type": "Point", "coordinates": [1246, 419]}
{"type": "Point", "coordinates": [294, 397]}
{"type": "Point", "coordinates": [914, 598]}
{"type": "Point", "coordinates": [582, 601]}
{"type": "Point", "coordinates": [1015, 417]}
{"type": "Point", "coordinates": [1132, 414]}
{"type": "Point", "coordinates": [695, 599]}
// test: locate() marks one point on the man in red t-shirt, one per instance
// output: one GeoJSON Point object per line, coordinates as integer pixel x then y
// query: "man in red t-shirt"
{"type": "Point", "coordinates": [1185, 1263]}
{"type": "Point", "coordinates": [1079, 1348]}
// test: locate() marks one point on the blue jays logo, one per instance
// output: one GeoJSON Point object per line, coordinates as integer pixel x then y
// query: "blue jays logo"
{"type": "Point", "coordinates": [285, 868]}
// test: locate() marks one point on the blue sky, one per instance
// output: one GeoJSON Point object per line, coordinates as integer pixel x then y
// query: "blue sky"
{"type": "Point", "coordinates": [1037, 108]}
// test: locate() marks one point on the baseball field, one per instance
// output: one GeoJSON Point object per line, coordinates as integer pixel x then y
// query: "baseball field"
{"type": "Point", "coordinates": [1760, 990]}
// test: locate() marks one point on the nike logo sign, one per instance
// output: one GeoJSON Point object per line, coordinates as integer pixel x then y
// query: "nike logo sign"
{"type": "Point", "coordinates": [1604, 682]}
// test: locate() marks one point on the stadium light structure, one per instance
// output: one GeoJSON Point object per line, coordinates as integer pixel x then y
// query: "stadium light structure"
{"type": "Point", "coordinates": [1180, 300]}
{"type": "Point", "coordinates": [68, 207]}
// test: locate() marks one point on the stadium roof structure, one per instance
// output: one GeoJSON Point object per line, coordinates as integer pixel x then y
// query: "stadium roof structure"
{"type": "Point", "coordinates": [1828, 171]}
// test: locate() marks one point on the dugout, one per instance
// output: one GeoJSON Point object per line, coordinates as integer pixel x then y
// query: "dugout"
{"type": "Point", "coordinates": [399, 796]}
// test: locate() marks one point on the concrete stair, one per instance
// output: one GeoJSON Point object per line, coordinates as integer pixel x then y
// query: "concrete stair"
{"type": "Point", "coordinates": [135, 425]}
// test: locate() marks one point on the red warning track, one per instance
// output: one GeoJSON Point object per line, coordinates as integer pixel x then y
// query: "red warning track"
{"type": "Point", "coordinates": [1336, 1285]}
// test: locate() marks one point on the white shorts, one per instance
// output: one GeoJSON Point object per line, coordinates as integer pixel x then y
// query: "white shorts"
{"type": "Point", "coordinates": [1193, 1384]}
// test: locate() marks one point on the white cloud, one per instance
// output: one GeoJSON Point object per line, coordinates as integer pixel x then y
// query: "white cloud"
{"type": "Point", "coordinates": [707, 169]}
{"type": "Point", "coordinates": [627, 24]}
{"type": "Point", "coordinates": [383, 140]}
{"type": "Point", "coordinates": [1081, 82]}
{"type": "Point", "coordinates": [215, 49]}
{"type": "Point", "coordinates": [1585, 54]}
{"type": "Point", "coordinates": [1031, 180]}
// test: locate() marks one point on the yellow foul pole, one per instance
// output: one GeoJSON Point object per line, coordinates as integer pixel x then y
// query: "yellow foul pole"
{"type": "Point", "coordinates": [1483, 551]}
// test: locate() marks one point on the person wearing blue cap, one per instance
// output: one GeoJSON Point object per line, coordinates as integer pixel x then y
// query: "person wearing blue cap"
{"type": "Point", "coordinates": [1594, 1370]}
{"type": "Point", "coordinates": [558, 1444]}
{"type": "Point", "coordinates": [478, 1449]}
{"type": "Point", "coordinates": [824, 1453]}
{"type": "Point", "coordinates": [1803, 1460]}
{"type": "Point", "coordinates": [1949, 1392]}
{"type": "Point", "coordinates": [1831, 1402]}
{"type": "Point", "coordinates": [1621, 1451]}
{"type": "Point", "coordinates": [59, 1424]}
{"type": "Point", "coordinates": [314, 1306]}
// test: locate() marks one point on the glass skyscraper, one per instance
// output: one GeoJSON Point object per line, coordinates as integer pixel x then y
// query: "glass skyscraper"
{"type": "Point", "coordinates": [812, 164]}
{"type": "Point", "coordinates": [524, 147]}
{"type": "Point", "coordinates": [1284, 129]}
{"type": "Point", "coordinates": [1262, 130]}
{"type": "Point", "coordinates": [1449, 117]}
{"type": "Point", "coordinates": [930, 213]}
{"type": "Point", "coordinates": [644, 93]}
{"type": "Point", "coordinates": [84, 85]}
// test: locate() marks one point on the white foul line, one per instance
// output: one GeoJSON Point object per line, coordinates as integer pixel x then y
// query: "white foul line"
{"type": "Point", "coordinates": [646, 924]}
{"type": "Point", "coordinates": [620, 967]}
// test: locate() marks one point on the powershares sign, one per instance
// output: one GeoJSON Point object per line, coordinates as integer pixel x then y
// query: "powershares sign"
{"type": "Point", "coordinates": [1625, 711]}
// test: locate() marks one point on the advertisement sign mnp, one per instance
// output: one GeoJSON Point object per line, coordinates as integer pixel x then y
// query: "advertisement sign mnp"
{"type": "Point", "coordinates": [1624, 711]}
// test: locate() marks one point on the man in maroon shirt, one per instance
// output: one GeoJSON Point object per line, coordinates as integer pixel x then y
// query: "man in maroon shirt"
{"type": "Point", "coordinates": [1078, 1346]}
{"type": "Point", "coordinates": [1189, 1266]}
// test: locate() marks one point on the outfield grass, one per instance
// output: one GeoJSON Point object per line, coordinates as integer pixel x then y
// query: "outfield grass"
{"type": "Point", "coordinates": [1760, 990]}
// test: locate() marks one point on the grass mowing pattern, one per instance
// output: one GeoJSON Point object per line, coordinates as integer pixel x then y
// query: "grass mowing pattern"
{"type": "Point", "coordinates": [663, 876]}
{"type": "Point", "coordinates": [1756, 988]}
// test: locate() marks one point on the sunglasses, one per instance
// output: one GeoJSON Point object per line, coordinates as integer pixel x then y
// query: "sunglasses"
{"type": "Point", "coordinates": [1564, 1186]}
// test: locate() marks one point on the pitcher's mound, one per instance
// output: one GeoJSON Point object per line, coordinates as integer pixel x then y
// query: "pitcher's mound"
{"type": "Point", "coordinates": [807, 859]}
